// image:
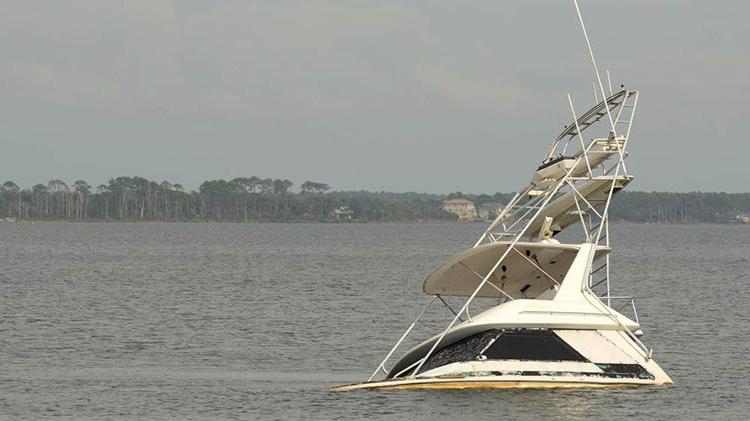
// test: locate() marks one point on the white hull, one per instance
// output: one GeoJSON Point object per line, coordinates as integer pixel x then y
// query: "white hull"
{"type": "Point", "coordinates": [498, 382]}
{"type": "Point", "coordinates": [618, 365]}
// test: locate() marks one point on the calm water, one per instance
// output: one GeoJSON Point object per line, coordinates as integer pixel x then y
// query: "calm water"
{"type": "Point", "coordinates": [229, 321]}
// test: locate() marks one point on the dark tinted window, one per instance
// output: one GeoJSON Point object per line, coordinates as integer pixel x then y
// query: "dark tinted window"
{"type": "Point", "coordinates": [509, 344]}
{"type": "Point", "coordinates": [466, 349]}
{"type": "Point", "coordinates": [541, 345]}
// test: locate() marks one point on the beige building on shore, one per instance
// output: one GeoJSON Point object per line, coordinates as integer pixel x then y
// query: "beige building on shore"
{"type": "Point", "coordinates": [465, 209]}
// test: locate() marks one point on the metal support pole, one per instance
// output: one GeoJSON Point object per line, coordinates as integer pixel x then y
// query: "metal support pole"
{"type": "Point", "coordinates": [584, 150]}
{"type": "Point", "coordinates": [447, 305]}
{"type": "Point", "coordinates": [596, 69]}
{"type": "Point", "coordinates": [382, 364]}
{"type": "Point", "coordinates": [609, 301]}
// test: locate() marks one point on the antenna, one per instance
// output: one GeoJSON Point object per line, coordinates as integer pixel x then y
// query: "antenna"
{"type": "Point", "coordinates": [609, 82]}
{"type": "Point", "coordinates": [596, 69]}
{"type": "Point", "coordinates": [596, 96]}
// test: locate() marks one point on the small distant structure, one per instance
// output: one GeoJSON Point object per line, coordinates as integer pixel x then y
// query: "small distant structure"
{"type": "Point", "coordinates": [490, 210]}
{"type": "Point", "coordinates": [744, 217]}
{"type": "Point", "coordinates": [343, 213]}
{"type": "Point", "coordinates": [8, 219]}
{"type": "Point", "coordinates": [465, 209]}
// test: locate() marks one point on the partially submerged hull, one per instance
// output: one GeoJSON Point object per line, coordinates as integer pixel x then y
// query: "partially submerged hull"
{"type": "Point", "coordinates": [497, 382]}
{"type": "Point", "coordinates": [566, 337]}
{"type": "Point", "coordinates": [528, 358]}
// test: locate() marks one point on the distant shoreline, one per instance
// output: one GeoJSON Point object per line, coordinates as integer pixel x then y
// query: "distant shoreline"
{"type": "Point", "coordinates": [255, 199]}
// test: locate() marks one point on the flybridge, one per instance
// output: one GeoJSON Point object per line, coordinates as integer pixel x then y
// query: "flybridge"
{"type": "Point", "coordinates": [554, 324]}
{"type": "Point", "coordinates": [578, 182]}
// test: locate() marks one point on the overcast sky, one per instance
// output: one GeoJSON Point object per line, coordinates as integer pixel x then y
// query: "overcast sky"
{"type": "Point", "coordinates": [430, 96]}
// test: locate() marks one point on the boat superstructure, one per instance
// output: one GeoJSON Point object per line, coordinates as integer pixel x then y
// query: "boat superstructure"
{"type": "Point", "coordinates": [553, 321]}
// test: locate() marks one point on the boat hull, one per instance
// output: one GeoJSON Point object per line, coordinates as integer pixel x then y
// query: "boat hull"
{"type": "Point", "coordinates": [568, 338]}
{"type": "Point", "coordinates": [499, 382]}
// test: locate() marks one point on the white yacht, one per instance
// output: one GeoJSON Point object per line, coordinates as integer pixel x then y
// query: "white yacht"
{"type": "Point", "coordinates": [552, 321]}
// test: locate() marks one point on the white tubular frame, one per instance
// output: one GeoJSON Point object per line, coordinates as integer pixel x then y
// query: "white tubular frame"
{"type": "Point", "coordinates": [604, 159]}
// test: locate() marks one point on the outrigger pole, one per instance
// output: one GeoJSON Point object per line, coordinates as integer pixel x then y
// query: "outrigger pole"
{"type": "Point", "coordinates": [601, 85]}
{"type": "Point", "coordinates": [596, 69]}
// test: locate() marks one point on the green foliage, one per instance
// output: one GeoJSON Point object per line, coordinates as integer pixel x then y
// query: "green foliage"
{"type": "Point", "coordinates": [693, 207]}
{"type": "Point", "coordinates": [314, 187]}
{"type": "Point", "coordinates": [245, 199]}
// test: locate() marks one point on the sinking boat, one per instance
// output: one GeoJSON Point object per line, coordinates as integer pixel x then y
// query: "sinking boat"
{"type": "Point", "coordinates": [548, 317]}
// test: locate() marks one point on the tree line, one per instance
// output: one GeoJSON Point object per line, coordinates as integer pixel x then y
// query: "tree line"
{"type": "Point", "coordinates": [250, 199]}
{"type": "Point", "coordinates": [242, 199]}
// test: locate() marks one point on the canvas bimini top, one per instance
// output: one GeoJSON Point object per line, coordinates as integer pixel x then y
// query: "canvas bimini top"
{"type": "Point", "coordinates": [532, 269]}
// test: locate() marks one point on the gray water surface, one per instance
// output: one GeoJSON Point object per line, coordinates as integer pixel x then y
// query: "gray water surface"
{"type": "Point", "coordinates": [257, 321]}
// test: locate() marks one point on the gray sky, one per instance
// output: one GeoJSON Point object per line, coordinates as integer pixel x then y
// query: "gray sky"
{"type": "Point", "coordinates": [432, 96]}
